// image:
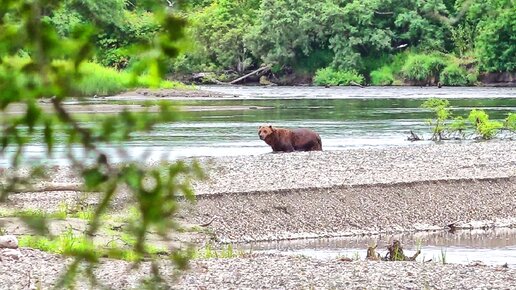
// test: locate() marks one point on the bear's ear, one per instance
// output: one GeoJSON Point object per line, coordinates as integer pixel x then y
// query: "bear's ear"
{"type": "Point", "coordinates": [270, 126]}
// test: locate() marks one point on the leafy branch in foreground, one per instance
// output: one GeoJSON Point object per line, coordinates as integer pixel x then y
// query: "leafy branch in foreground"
{"type": "Point", "coordinates": [446, 128]}
{"type": "Point", "coordinates": [51, 69]}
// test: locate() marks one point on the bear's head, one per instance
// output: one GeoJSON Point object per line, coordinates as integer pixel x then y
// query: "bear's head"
{"type": "Point", "coordinates": [265, 131]}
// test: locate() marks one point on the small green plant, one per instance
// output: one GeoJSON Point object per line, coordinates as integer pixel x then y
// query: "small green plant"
{"type": "Point", "coordinates": [510, 122]}
{"type": "Point", "coordinates": [208, 252]}
{"type": "Point", "coordinates": [33, 213]}
{"type": "Point", "coordinates": [458, 126]}
{"type": "Point", "coordinates": [72, 244]}
{"type": "Point", "coordinates": [66, 243]}
{"type": "Point", "coordinates": [86, 214]}
{"type": "Point", "coordinates": [441, 109]}
{"type": "Point", "coordinates": [443, 128]}
{"type": "Point", "coordinates": [331, 77]}
{"type": "Point", "coordinates": [419, 244]}
{"type": "Point", "coordinates": [487, 129]}
{"type": "Point", "coordinates": [442, 257]}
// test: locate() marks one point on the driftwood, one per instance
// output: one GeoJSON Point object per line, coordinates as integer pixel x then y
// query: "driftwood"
{"type": "Point", "coordinates": [262, 69]}
{"type": "Point", "coordinates": [356, 84]}
{"type": "Point", "coordinates": [413, 137]}
{"type": "Point", "coordinates": [372, 254]}
{"type": "Point", "coordinates": [395, 253]}
{"type": "Point", "coordinates": [51, 187]}
{"type": "Point", "coordinates": [208, 223]}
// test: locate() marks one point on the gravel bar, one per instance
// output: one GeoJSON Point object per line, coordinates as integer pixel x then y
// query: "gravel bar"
{"type": "Point", "coordinates": [268, 172]}
{"type": "Point", "coordinates": [39, 269]}
{"type": "Point", "coordinates": [363, 191]}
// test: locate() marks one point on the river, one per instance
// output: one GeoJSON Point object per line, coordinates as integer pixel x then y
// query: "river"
{"type": "Point", "coordinates": [345, 117]}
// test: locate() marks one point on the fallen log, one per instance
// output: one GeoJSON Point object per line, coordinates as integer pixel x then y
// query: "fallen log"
{"type": "Point", "coordinates": [356, 84]}
{"type": "Point", "coordinates": [261, 69]}
{"type": "Point", "coordinates": [395, 253]}
{"type": "Point", "coordinates": [51, 187]}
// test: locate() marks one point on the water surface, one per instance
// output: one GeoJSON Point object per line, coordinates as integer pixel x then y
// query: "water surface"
{"type": "Point", "coordinates": [491, 247]}
{"type": "Point", "coordinates": [345, 117]}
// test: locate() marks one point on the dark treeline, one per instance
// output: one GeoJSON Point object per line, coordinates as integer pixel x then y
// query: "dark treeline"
{"type": "Point", "coordinates": [379, 42]}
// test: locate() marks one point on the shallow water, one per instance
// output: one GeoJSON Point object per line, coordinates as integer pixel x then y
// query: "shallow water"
{"type": "Point", "coordinates": [491, 247]}
{"type": "Point", "coordinates": [345, 117]}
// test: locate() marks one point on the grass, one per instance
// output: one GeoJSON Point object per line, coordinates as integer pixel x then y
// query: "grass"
{"type": "Point", "coordinates": [421, 67]}
{"type": "Point", "coordinates": [332, 77]}
{"type": "Point", "coordinates": [34, 213]}
{"type": "Point", "coordinates": [70, 244]}
{"type": "Point", "coordinates": [382, 77]}
{"type": "Point", "coordinates": [97, 79]}
{"type": "Point", "coordinates": [66, 243]}
{"type": "Point", "coordinates": [225, 252]}
{"type": "Point", "coordinates": [100, 80]}
{"type": "Point", "coordinates": [442, 257]}
{"type": "Point", "coordinates": [63, 212]}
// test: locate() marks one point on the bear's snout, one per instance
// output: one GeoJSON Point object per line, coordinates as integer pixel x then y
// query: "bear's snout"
{"type": "Point", "coordinates": [260, 135]}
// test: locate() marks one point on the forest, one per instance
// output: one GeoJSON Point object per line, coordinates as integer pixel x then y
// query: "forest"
{"type": "Point", "coordinates": [337, 42]}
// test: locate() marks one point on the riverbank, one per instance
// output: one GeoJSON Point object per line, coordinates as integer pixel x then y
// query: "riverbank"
{"type": "Point", "coordinates": [338, 193]}
{"type": "Point", "coordinates": [264, 271]}
{"type": "Point", "coordinates": [320, 194]}
{"type": "Point", "coordinates": [360, 191]}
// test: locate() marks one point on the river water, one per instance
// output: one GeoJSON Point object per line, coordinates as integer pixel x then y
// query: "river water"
{"type": "Point", "coordinates": [345, 117]}
{"type": "Point", "coordinates": [493, 247]}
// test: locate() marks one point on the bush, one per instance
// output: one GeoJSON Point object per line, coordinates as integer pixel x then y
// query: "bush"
{"type": "Point", "coordinates": [331, 77]}
{"type": "Point", "coordinates": [510, 122]}
{"type": "Point", "coordinates": [486, 128]}
{"type": "Point", "coordinates": [421, 67]}
{"type": "Point", "coordinates": [454, 75]}
{"type": "Point", "coordinates": [382, 77]}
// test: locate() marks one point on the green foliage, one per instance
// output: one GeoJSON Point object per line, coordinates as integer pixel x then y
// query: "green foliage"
{"type": "Point", "coordinates": [53, 62]}
{"type": "Point", "coordinates": [315, 60]}
{"type": "Point", "coordinates": [444, 128]}
{"type": "Point", "coordinates": [220, 29]}
{"type": "Point", "coordinates": [70, 244]}
{"type": "Point", "coordinates": [486, 128]}
{"type": "Point", "coordinates": [331, 77]}
{"type": "Point", "coordinates": [510, 122]}
{"type": "Point", "coordinates": [225, 252]}
{"type": "Point", "coordinates": [423, 67]}
{"type": "Point", "coordinates": [495, 43]}
{"type": "Point", "coordinates": [382, 77]}
{"type": "Point", "coordinates": [454, 75]}
{"type": "Point", "coordinates": [284, 31]}
{"type": "Point", "coordinates": [441, 109]}
{"type": "Point", "coordinates": [100, 80]}
{"type": "Point", "coordinates": [66, 244]}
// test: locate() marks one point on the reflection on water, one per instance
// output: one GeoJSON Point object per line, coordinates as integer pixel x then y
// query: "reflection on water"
{"type": "Point", "coordinates": [491, 247]}
{"type": "Point", "coordinates": [344, 117]}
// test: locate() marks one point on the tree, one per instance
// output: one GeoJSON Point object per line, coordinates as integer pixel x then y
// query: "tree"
{"type": "Point", "coordinates": [285, 31]}
{"type": "Point", "coordinates": [220, 29]}
{"type": "Point", "coordinates": [39, 61]}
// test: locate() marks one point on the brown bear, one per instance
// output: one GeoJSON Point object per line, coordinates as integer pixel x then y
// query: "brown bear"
{"type": "Point", "coordinates": [286, 140]}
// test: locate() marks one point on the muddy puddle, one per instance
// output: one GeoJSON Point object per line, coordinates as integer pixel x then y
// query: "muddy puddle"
{"type": "Point", "coordinates": [494, 247]}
